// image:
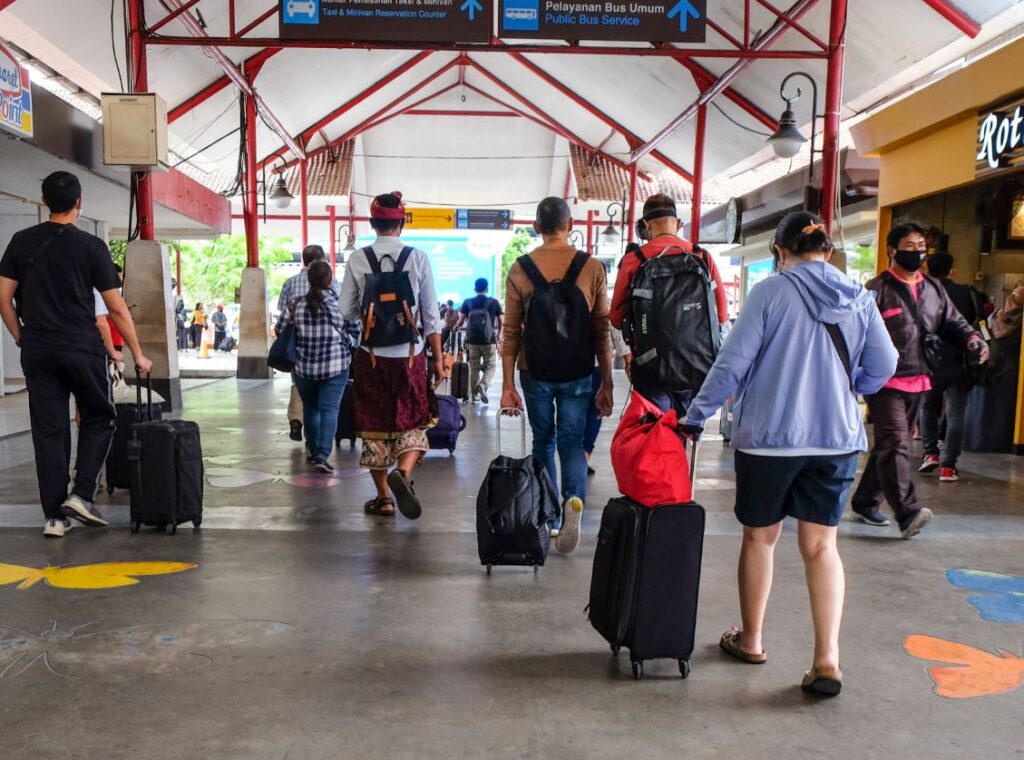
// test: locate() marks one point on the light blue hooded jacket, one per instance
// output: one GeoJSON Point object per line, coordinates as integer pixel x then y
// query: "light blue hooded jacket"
{"type": "Point", "coordinates": [790, 388]}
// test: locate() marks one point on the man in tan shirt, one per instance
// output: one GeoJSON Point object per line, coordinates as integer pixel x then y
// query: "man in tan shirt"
{"type": "Point", "coordinates": [565, 348]}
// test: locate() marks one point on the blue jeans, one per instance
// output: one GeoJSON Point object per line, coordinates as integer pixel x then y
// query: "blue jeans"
{"type": "Point", "coordinates": [320, 402]}
{"type": "Point", "coordinates": [665, 400]}
{"type": "Point", "coordinates": [558, 416]}
{"type": "Point", "coordinates": [954, 394]}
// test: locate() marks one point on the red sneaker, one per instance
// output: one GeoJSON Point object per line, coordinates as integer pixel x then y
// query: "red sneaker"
{"type": "Point", "coordinates": [930, 463]}
{"type": "Point", "coordinates": [948, 475]}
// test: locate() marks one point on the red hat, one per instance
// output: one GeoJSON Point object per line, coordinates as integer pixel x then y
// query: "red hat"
{"type": "Point", "coordinates": [379, 211]}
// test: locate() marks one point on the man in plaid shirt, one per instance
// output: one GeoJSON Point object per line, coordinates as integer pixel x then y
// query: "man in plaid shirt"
{"type": "Point", "coordinates": [296, 287]}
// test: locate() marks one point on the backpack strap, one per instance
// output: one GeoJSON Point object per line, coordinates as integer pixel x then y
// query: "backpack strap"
{"type": "Point", "coordinates": [46, 244]}
{"type": "Point", "coordinates": [841, 348]}
{"type": "Point", "coordinates": [403, 258]}
{"type": "Point", "coordinates": [573, 272]}
{"type": "Point", "coordinates": [532, 271]}
{"type": "Point", "coordinates": [371, 256]}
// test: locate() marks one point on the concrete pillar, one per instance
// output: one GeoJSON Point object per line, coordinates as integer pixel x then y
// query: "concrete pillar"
{"type": "Point", "coordinates": [147, 291]}
{"type": "Point", "coordinates": [254, 324]}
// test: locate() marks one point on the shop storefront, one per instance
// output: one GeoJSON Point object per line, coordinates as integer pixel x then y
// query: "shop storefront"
{"type": "Point", "coordinates": [952, 158]}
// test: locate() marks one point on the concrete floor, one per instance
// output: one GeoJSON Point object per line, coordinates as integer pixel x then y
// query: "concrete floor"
{"type": "Point", "coordinates": [310, 631]}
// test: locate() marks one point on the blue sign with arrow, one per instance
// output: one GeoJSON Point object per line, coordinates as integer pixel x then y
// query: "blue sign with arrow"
{"type": "Point", "coordinates": [471, 7]}
{"type": "Point", "coordinates": [605, 20]}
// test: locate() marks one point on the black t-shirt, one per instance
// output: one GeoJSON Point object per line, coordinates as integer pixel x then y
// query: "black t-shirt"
{"type": "Point", "coordinates": [55, 297]}
{"type": "Point", "coordinates": [482, 302]}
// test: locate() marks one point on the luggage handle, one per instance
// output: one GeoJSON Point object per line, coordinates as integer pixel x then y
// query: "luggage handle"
{"type": "Point", "coordinates": [149, 394]}
{"type": "Point", "coordinates": [522, 422]}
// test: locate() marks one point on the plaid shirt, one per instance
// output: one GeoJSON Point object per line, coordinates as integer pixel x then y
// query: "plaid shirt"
{"type": "Point", "coordinates": [324, 343]}
{"type": "Point", "coordinates": [294, 287]}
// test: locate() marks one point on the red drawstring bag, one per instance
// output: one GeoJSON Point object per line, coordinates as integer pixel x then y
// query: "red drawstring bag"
{"type": "Point", "coordinates": [649, 456]}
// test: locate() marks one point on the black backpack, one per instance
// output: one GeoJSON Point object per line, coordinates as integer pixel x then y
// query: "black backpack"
{"type": "Point", "coordinates": [388, 303]}
{"type": "Point", "coordinates": [671, 324]}
{"type": "Point", "coordinates": [480, 326]}
{"type": "Point", "coordinates": [557, 334]}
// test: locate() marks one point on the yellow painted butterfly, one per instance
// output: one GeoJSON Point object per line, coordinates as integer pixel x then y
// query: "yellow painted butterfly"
{"type": "Point", "coordinates": [102, 575]}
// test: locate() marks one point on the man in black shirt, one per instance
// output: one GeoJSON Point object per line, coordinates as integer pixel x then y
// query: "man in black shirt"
{"type": "Point", "coordinates": [47, 277]}
{"type": "Point", "coordinates": [483, 315]}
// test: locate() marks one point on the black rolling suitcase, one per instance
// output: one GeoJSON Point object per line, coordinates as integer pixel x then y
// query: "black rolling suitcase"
{"type": "Point", "coordinates": [119, 470]}
{"type": "Point", "coordinates": [347, 417]}
{"type": "Point", "coordinates": [643, 591]}
{"type": "Point", "coordinates": [514, 509]}
{"type": "Point", "coordinates": [166, 458]}
{"type": "Point", "coordinates": [460, 370]}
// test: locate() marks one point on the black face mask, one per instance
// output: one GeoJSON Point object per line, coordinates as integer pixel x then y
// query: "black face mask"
{"type": "Point", "coordinates": [910, 260]}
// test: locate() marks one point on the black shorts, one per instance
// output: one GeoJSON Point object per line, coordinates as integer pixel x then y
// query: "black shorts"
{"type": "Point", "coordinates": [811, 488]}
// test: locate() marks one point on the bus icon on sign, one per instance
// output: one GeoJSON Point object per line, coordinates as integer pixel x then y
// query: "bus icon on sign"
{"type": "Point", "coordinates": [301, 11]}
{"type": "Point", "coordinates": [521, 15]}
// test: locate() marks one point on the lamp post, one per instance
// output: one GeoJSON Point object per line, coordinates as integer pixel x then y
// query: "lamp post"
{"type": "Point", "coordinates": [279, 195]}
{"type": "Point", "coordinates": [787, 140]}
{"type": "Point", "coordinates": [350, 241]}
{"type": "Point", "coordinates": [576, 239]}
{"type": "Point", "coordinates": [616, 209]}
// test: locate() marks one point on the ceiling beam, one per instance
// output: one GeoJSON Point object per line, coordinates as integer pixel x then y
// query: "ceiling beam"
{"type": "Point", "coordinates": [705, 79]}
{"type": "Point", "coordinates": [373, 89]}
{"type": "Point", "coordinates": [217, 85]}
{"type": "Point", "coordinates": [765, 41]}
{"type": "Point", "coordinates": [956, 17]}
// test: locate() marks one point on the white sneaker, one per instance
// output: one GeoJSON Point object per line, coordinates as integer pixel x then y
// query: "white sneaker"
{"type": "Point", "coordinates": [56, 528]}
{"type": "Point", "coordinates": [78, 508]}
{"type": "Point", "coordinates": [569, 535]}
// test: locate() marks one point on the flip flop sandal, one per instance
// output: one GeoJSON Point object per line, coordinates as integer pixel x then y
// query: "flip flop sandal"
{"type": "Point", "coordinates": [730, 644]}
{"type": "Point", "coordinates": [376, 507]}
{"type": "Point", "coordinates": [408, 503]}
{"type": "Point", "coordinates": [823, 683]}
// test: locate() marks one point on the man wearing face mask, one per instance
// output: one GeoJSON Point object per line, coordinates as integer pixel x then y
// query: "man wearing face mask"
{"type": "Point", "coordinates": [918, 314]}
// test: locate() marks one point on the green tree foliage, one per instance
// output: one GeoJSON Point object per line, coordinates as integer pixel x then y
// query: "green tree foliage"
{"type": "Point", "coordinates": [212, 270]}
{"type": "Point", "coordinates": [862, 259]}
{"type": "Point", "coordinates": [520, 244]}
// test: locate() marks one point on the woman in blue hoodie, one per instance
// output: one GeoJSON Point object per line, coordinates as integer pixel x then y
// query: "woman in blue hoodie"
{"type": "Point", "coordinates": [806, 342]}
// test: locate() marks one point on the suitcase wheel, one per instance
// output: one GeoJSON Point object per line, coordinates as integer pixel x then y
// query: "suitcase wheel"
{"type": "Point", "coordinates": [110, 489]}
{"type": "Point", "coordinates": [134, 526]}
{"type": "Point", "coordinates": [615, 650]}
{"type": "Point", "coordinates": [171, 528]}
{"type": "Point", "coordinates": [638, 670]}
{"type": "Point", "coordinates": [684, 668]}
{"type": "Point", "coordinates": [488, 569]}
{"type": "Point", "coordinates": [196, 522]}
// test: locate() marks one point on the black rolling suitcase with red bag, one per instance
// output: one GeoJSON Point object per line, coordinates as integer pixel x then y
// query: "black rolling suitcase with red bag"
{"type": "Point", "coordinates": [166, 458]}
{"type": "Point", "coordinates": [646, 577]}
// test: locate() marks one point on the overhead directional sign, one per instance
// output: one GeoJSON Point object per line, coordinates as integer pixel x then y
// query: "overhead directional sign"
{"type": "Point", "coordinates": [430, 218]}
{"type": "Point", "coordinates": [388, 20]}
{"type": "Point", "coordinates": [612, 20]}
{"type": "Point", "coordinates": [483, 219]}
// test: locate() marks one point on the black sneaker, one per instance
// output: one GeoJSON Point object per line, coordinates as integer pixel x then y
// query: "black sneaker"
{"type": "Point", "coordinates": [295, 431]}
{"type": "Point", "coordinates": [482, 393]}
{"type": "Point", "coordinates": [876, 518]}
{"type": "Point", "coordinates": [322, 465]}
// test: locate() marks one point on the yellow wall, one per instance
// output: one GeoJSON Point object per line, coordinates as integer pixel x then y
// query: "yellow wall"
{"type": "Point", "coordinates": [938, 161]}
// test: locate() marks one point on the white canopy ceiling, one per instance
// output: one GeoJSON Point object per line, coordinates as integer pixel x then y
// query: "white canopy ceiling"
{"type": "Point", "coordinates": [483, 159]}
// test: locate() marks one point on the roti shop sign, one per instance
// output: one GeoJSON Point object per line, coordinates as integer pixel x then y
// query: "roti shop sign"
{"type": "Point", "coordinates": [15, 95]}
{"type": "Point", "coordinates": [1000, 137]}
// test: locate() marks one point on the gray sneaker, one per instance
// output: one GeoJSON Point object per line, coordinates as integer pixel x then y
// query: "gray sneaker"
{"type": "Point", "coordinates": [917, 523]}
{"type": "Point", "coordinates": [569, 536]}
{"type": "Point", "coordinates": [79, 509]}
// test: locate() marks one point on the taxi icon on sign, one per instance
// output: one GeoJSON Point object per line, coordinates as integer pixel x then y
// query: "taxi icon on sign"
{"type": "Point", "coordinates": [301, 12]}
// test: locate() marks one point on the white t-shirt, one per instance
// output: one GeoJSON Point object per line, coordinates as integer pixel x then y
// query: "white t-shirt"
{"type": "Point", "coordinates": [101, 307]}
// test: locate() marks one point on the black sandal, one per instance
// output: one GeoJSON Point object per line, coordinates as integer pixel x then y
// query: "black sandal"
{"type": "Point", "coordinates": [376, 506]}
{"type": "Point", "coordinates": [408, 503]}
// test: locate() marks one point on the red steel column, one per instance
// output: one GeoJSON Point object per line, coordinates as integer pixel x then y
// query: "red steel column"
{"type": "Point", "coordinates": [304, 202]}
{"type": "Point", "coordinates": [833, 103]}
{"type": "Point", "coordinates": [631, 211]}
{"type": "Point", "coordinates": [250, 210]}
{"type": "Point", "coordinates": [332, 219]}
{"type": "Point", "coordinates": [138, 78]}
{"type": "Point", "coordinates": [698, 173]}
{"type": "Point", "coordinates": [590, 232]}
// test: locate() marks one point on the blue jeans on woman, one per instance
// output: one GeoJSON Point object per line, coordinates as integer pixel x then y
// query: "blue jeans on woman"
{"type": "Point", "coordinates": [594, 418]}
{"type": "Point", "coordinates": [558, 416]}
{"type": "Point", "coordinates": [320, 402]}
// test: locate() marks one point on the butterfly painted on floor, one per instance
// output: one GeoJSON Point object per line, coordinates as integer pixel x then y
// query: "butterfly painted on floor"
{"type": "Point", "coordinates": [227, 477]}
{"type": "Point", "coordinates": [137, 651]}
{"type": "Point", "coordinates": [968, 672]}
{"type": "Point", "coordinates": [1000, 598]}
{"type": "Point", "coordinates": [102, 575]}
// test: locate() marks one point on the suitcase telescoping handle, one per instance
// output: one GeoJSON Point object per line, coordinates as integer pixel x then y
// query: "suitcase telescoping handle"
{"type": "Point", "coordinates": [521, 414]}
{"type": "Point", "coordinates": [694, 450]}
{"type": "Point", "coordinates": [149, 394]}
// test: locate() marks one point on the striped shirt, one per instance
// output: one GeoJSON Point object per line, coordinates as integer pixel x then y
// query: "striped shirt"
{"type": "Point", "coordinates": [324, 343]}
{"type": "Point", "coordinates": [294, 287]}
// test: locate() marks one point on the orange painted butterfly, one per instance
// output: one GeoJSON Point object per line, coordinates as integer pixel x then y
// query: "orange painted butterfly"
{"type": "Point", "coordinates": [969, 672]}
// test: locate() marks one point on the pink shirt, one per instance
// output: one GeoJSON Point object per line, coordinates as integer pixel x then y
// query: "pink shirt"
{"type": "Point", "coordinates": [915, 383]}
